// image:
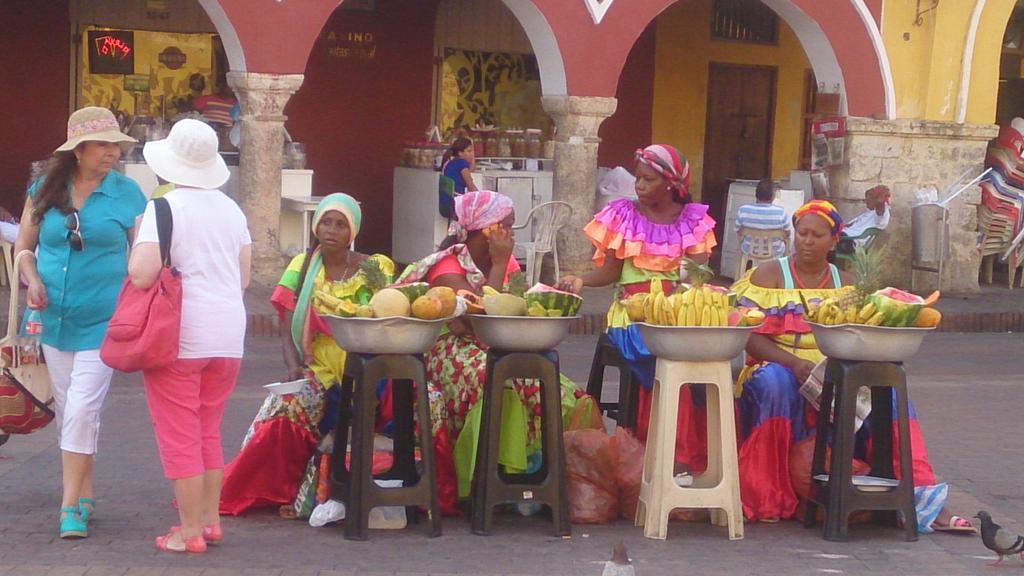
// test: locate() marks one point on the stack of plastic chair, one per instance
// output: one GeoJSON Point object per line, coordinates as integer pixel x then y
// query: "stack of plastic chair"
{"type": "Point", "coordinates": [1000, 215]}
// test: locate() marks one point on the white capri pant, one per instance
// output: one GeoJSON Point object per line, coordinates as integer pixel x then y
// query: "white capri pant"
{"type": "Point", "coordinates": [80, 381]}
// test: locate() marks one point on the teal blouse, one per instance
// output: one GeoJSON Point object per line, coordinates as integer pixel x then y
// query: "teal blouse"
{"type": "Point", "coordinates": [82, 286]}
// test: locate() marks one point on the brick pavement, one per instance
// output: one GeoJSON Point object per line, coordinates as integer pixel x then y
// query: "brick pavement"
{"type": "Point", "coordinates": [960, 384]}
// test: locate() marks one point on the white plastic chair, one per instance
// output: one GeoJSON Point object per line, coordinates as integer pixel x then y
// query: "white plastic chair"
{"type": "Point", "coordinates": [7, 275]}
{"type": "Point", "coordinates": [760, 247]}
{"type": "Point", "coordinates": [547, 219]}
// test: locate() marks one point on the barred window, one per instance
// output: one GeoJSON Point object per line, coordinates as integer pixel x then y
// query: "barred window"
{"type": "Point", "coordinates": [744, 21]}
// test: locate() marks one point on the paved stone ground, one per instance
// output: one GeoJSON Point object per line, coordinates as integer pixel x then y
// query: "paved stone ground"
{"type": "Point", "coordinates": [965, 388]}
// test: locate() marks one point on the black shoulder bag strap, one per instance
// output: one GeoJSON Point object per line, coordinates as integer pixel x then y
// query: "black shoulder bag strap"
{"type": "Point", "coordinates": [164, 228]}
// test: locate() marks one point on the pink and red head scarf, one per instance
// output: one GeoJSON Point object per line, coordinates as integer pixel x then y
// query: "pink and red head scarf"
{"type": "Point", "coordinates": [670, 163]}
{"type": "Point", "coordinates": [480, 209]}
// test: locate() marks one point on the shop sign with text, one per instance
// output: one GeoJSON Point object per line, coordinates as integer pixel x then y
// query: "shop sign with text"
{"type": "Point", "coordinates": [111, 52]}
{"type": "Point", "coordinates": [352, 45]}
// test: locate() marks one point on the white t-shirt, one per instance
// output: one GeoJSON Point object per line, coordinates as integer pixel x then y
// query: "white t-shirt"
{"type": "Point", "coordinates": [209, 233]}
{"type": "Point", "coordinates": [868, 219]}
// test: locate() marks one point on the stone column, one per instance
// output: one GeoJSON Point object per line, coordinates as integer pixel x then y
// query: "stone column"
{"type": "Point", "coordinates": [905, 155]}
{"type": "Point", "coordinates": [578, 119]}
{"type": "Point", "coordinates": [263, 98]}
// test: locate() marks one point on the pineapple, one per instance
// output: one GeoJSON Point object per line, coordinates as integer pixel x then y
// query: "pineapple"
{"type": "Point", "coordinates": [697, 274]}
{"type": "Point", "coordinates": [517, 285]}
{"type": "Point", "coordinates": [375, 279]}
{"type": "Point", "coordinates": [866, 263]}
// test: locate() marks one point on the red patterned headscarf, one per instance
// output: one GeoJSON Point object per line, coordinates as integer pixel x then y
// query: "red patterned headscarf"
{"type": "Point", "coordinates": [669, 163]}
{"type": "Point", "coordinates": [822, 208]}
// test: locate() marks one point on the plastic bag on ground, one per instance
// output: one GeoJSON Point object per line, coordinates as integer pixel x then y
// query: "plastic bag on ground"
{"type": "Point", "coordinates": [590, 463]}
{"type": "Point", "coordinates": [800, 457]}
{"type": "Point", "coordinates": [381, 517]}
{"type": "Point", "coordinates": [629, 470]}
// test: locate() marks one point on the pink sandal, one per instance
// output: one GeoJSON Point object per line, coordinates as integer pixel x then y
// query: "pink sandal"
{"type": "Point", "coordinates": [212, 533]}
{"type": "Point", "coordinates": [166, 543]}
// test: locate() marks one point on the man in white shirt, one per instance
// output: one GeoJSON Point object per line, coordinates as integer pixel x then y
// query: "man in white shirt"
{"type": "Point", "coordinates": [876, 216]}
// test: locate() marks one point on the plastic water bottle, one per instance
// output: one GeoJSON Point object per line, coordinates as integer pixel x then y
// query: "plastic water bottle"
{"type": "Point", "coordinates": [34, 323]}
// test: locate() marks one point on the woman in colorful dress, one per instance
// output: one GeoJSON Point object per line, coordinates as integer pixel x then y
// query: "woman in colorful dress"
{"type": "Point", "coordinates": [781, 355]}
{"type": "Point", "coordinates": [636, 242]}
{"type": "Point", "coordinates": [479, 254]}
{"type": "Point", "coordinates": [284, 435]}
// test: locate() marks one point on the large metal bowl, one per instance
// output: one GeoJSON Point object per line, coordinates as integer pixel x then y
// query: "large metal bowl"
{"type": "Point", "coordinates": [695, 343]}
{"type": "Point", "coordinates": [868, 343]}
{"type": "Point", "coordinates": [395, 335]}
{"type": "Point", "coordinates": [521, 333]}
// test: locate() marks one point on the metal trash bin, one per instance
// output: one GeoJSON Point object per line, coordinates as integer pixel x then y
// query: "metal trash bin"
{"type": "Point", "coordinates": [929, 226]}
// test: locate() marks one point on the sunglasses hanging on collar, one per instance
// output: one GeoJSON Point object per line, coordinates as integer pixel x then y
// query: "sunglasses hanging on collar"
{"type": "Point", "coordinates": [74, 227]}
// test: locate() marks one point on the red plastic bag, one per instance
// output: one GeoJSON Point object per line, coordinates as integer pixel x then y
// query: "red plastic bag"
{"type": "Point", "coordinates": [590, 463]}
{"type": "Point", "coordinates": [629, 471]}
{"type": "Point", "coordinates": [800, 457]}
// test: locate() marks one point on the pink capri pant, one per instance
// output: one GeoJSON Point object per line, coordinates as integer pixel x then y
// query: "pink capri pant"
{"type": "Point", "coordinates": [186, 403]}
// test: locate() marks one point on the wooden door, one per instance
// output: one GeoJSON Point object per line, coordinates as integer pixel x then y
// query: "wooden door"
{"type": "Point", "coordinates": [737, 141]}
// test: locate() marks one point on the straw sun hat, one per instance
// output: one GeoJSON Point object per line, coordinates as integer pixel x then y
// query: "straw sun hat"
{"type": "Point", "coordinates": [188, 156]}
{"type": "Point", "coordinates": [94, 124]}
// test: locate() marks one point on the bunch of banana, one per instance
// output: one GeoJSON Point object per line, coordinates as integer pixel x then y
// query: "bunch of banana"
{"type": "Point", "coordinates": [329, 304]}
{"type": "Point", "coordinates": [828, 313]}
{"type": "Point", "coordinates": [702, 307]}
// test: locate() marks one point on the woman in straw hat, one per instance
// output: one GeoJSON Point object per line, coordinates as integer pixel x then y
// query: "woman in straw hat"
{"type": "Point", "coordinates": [79, 218]}
{"type": "Point", "coordinates": [211, 248]}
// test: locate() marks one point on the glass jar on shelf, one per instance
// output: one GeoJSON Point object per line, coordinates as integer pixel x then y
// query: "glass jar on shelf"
{"type": "Point", "coordinates": [516, 143]}
{"type": "Point", "coordinates": [534, 147]}
{"type": "Point", "coordinates": [504, 146]}
{"type": "Point", "coordinates": [490, 143]}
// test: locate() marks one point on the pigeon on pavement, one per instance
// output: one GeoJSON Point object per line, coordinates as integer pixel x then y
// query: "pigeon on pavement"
{"type": "Point", "coordinates": [619, 564]}
{"type": "Point", "coordinates": [998, 539]}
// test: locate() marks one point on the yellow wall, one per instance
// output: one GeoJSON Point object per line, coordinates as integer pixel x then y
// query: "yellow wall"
{"type": "Point", "coordinates": [683, 51]}
{"type": "Point", "coordinates": [981, 103]}
{"type": "Point", "coordinates": [927, 58]}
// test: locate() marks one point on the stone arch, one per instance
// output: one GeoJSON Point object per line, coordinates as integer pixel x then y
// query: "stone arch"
{"type": "Point", "coordinates": [228, 34]}
{"type": "Point", "coordinates": [545, 46]}
{"type": "Point", "coordinates": [252, 46]}
{"type": "Point", "coordinates": [841, 38]}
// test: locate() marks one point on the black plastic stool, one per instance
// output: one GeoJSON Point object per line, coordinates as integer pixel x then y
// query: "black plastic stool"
{"type": "Point", "coordinates": [492, 486]}
{"type": "Point", "coordinates": [606, 354]}
{"type": "Point", "coordinates": [838, 494]}
{"type": "Point", "coordinates": [355, 486]}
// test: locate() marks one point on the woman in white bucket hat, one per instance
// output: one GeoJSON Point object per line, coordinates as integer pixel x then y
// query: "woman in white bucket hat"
{"type": "Point", "coordinates": [79, 218]}
{"type": "Point", "coordinates": [211, 248]}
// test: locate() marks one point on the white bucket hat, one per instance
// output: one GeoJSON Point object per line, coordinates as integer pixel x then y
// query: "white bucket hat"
{"type": "Point", "coordinates": [94, 124]}
{"type": "Point", "coordinates": [188, 156]}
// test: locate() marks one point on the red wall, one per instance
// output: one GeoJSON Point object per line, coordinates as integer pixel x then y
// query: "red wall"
{"type": "Point", "coordinates": [630, 127]}
{"type": "Point", "coordinates": [34, 53]}
{"type": "Point", "coordinates": [354, 115]}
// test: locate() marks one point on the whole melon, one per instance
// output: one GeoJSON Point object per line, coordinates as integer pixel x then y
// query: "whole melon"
{"type": "Point", "coordinates": [447, 297]}
{"type": "Point", "coordinates": [928, 318]}
{"type": "Point", "coordinates": [504, 305]}
{"type": "Point", "coordinates": [427, 308]}
{"type": "Point", "coordinates": [390, 302]}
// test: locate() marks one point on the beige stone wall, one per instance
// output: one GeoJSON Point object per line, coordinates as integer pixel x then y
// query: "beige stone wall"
{"type": "Point", "coordinates": [904, 155]}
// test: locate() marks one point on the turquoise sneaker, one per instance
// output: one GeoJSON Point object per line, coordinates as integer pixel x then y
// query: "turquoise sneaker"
{"type": "Point", "coordinates": [86, 507]}
{"type": "Point", "coordinates": [71, 523]}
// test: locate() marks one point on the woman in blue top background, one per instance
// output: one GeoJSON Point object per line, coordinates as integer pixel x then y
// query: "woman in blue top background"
{"type": "Point", "coordinates": [79, 219]}
{"type": "Point", "coordinates": [456, 174]}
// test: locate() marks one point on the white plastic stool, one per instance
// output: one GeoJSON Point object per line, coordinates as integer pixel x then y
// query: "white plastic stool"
{"type": "Point", "coordinates": [718, 488]}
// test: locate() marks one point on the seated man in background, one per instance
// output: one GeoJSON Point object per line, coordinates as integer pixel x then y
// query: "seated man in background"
{"type": "Point", "coordinates": [763, 215]}
{"type": "Point", "coordinates": [876, 216]}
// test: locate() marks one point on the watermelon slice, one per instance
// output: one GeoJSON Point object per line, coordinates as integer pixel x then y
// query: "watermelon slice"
{"type": "Point", "coordinates": [567, 303]}
{"type": "Point", "coordinates": [899, 308]}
